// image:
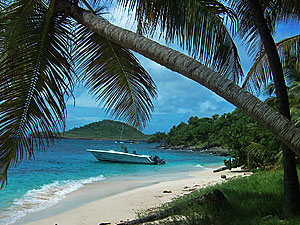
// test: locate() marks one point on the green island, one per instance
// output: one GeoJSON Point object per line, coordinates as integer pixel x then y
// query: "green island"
{"type": "Point", "coordinates": [106, 130]}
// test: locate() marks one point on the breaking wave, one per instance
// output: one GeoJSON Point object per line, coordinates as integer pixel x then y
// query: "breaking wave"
{"type": "Point", "coordinates": [38, 199]}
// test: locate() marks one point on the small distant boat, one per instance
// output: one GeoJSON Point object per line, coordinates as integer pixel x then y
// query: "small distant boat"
{"type": "Point", "coordinates": [121, 141]}
{"type": "Point", "coordinates": [125, 157]}
{"type": "Point", "coordinates": [126, 142]}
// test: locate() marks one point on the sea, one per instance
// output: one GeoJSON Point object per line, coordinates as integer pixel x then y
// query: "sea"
{"type": "Point", "coordinates": [65, 166]}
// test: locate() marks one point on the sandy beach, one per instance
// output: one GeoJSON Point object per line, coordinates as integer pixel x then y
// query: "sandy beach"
{"type": "Point", "coordinates": [125, 205]}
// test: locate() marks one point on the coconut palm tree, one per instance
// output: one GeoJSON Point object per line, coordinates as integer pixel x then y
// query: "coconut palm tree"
{"type": "Point", "coordinates": [257, 19]}
{"type": "Point", "coordinates": [38, 53]}
{"type": "Point", "coordinates": [24, 119]}
{"type": "Point", "coordinates": [260, 75]}
{"type": "Point", "coordinates": [40, 47]}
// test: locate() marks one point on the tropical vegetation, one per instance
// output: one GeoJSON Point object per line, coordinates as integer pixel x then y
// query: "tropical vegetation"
{"type": "Point", "coordinates": [252, 200]}
{"type": "Point", "coordinates": [249, 144]}
{"type": "Point", "coordinates": [48, 45]}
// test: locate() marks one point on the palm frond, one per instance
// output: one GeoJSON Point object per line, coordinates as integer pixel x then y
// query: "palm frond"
{"type": "Point", "coordinates": [246, 28]}
{"type": "Point", "coordinates": [87, 5]}
{"type": "Point", "coordinates": [260, 73]}
{"type": "Point", "coordinates": [94, 6]}
{"type": "Point", "coordinates": [259, 130]}
{"type": "Point", "coordinates": [287, 10]}
{"type": "Point", "coordinates": [261, 154]}
{"type": "Point", "coordinates": [257, 150]}
{"type": "Point", "coordinates": [294, 94]}
{"type": "Point", "coordinates": [295, 114]}
{"type": "Point", "coordinates": [35, 75]}
{"type": "Point", "coordinates": [275, 11]}
{"type": "Point", "coordinates": [115, 77]}
{"type": "Point", "coordinates": [197, 25]}
{"type": "Point", "coordinates": [3, 4]}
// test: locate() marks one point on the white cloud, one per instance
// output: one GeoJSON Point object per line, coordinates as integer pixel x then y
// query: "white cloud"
{"type": "Point", "coordinates": [84, 99]}
{"type": "Point", "coordinates": [122, 17]}
{"type": "Point", "coordinates": [185, 111]}
{"type": "Point", "coordinates": [207, 106]}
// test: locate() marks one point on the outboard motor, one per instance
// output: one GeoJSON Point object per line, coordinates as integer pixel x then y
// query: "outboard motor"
{"type": "Point", "coordinates": [161, 161]}
{"type": "Point", "coordinates": [157, 160]}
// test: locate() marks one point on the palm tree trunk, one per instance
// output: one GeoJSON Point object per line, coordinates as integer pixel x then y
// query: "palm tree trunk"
{"type": "Point", "coordinates": [192, 69]}
{"type": "Point", "coordinates": [291, 184]}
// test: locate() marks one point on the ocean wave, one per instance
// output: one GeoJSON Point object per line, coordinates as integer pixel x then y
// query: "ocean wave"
{"type": "Point", "coordinates": [46, 196]}
{"type": "Point", "coordinates": [202, 167]}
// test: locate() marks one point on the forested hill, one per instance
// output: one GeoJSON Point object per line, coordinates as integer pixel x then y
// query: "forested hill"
{"type": "Point", "coordinates": [106, 129]}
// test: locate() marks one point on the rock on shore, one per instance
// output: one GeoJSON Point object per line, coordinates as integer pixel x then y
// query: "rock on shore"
{"type": "Point", "coordinates": [219, 150]}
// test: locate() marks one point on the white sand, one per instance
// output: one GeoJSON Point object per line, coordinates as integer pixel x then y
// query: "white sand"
{"type": "Point", "coordinates": [126, 205]}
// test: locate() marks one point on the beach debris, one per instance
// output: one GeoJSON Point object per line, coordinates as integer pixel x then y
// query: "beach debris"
{"type": "Point", "coordinates": [196, 185]}
{"type": "Point", "coordinates": [191, 189]}
{"type": "Point", "coordinates": [167, 191]}
{"type": "Point", "coordinates": [108, 223]}
{"type": "Point", "coordinates": [186, 187]}
{"type": "Point", "coordinates": [220, 169]}
{"type": "Point", "coordinates": [158, 196]}
{"type": "Point", "coordinates": [223, 176]}
{"type": "Point", "coordinates": [216, 197]}
{"type": "Point", "coordinates": [237, 170]}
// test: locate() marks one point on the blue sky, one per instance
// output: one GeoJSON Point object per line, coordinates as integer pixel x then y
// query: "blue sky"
{"type": "Point", "coordinates": [178, 97]}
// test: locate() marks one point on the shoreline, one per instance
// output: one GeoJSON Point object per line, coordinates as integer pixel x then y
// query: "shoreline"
{"type": "Point", "coordinates": [127, 203]}
{"type": "Point", "coordinates": [102, 139]}
{"type": "Point", "coordinates": [88, 193]}
{"type": "Point", "coordinates": [216, 150]}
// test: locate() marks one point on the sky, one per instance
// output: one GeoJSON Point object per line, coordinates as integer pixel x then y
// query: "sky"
{"type": "Point", "coordinates": [178, 97]}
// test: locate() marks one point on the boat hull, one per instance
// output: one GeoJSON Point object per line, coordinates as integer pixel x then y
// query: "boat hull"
{"type": "Point", "coordinates": [121, 157]}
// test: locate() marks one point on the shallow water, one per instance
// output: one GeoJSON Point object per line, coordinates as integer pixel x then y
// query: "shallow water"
{"type": "Point", "coordinates": [66, 166]}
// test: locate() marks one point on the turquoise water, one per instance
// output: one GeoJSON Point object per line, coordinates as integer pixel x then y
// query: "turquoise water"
{"type": "Point", "coordinates": [66, 166]}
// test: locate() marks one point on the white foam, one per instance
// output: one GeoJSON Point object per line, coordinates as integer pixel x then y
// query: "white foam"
{"type": "Point", "coordinates": [202, 167]}
{"type": "Point", "coordinates": [42, 198]}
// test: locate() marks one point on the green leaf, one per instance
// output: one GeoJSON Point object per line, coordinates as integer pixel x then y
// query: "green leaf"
{"type": "Point", "coordinates": [198, 26]}
{"type": "Point", "coordinates": [115, 77]}
{"type": "Point", "coordinates": [260, 75]}
{"type": "Point", "coordinates": [35, 77]}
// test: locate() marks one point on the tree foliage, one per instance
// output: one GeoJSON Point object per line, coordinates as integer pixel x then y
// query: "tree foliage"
{"type": "Point", "coordinates": [250, 144]}
{"type": "Point", "coordinates": [42, 54]}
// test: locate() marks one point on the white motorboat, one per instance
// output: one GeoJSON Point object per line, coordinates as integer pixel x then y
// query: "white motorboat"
{"type": "Point", "coordinates": [125, 157]}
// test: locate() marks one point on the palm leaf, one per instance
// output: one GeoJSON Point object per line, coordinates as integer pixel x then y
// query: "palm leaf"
{"type": "Point", "coordinates": [287, 10]}
{"type": "Point", "coordinates": [94, 6]}
{"type": "Point", "coordinates": [263, 153]}
{"type": "Point", "coordinates": [294, 94]}
{"type": "Point", "coordinates": [3, 4]}
{"type": "Point", "coordinates": [260, 73]}
{"type": "Point", "coordinates": [246, 27]}
{"type": "Point", "coordinates": [257, 150]}
{"type": "Point", "coordinates": [197, 25]}
{"type": "Point", "coordinates": [115, 77]}
{"type": "Point", "coordinates": [35, 75]}
{"type": "Point", "coordinates": [295, 114]}
{"type": "Point", "coordinates": [294, 100]}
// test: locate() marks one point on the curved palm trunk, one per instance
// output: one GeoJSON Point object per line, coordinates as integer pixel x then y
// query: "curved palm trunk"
{"type": "Point", "coordinates": [291, 184]}
{"type": "Point", "coordinates": [190, 68]}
